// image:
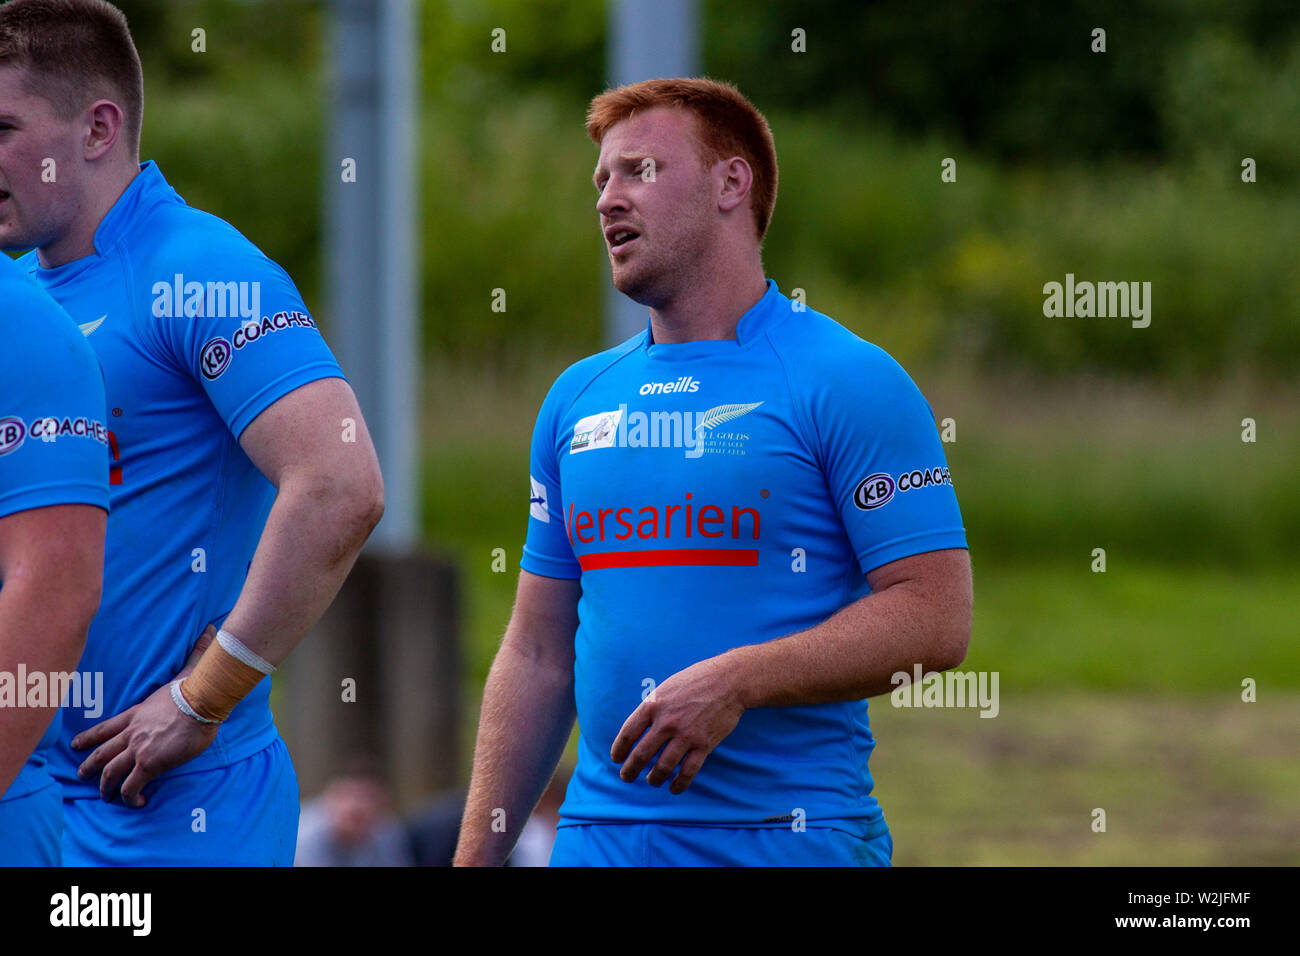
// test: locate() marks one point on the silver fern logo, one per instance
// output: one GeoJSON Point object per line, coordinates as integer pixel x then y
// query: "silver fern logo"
{"type": "Point", "coordinates": [726, 441]}
{"type": "Point", "coordinates": [724, 413]}
{"type": "Point", "coordinates": [697, 433]}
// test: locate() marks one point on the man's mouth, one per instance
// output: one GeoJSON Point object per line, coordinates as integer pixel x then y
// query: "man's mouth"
{"type": "Point", "coordinates": [620, 239]}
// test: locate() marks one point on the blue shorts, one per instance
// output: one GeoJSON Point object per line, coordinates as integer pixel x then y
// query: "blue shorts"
{"type": "Point", "coordinates": [31, 826]}
{"type": "Point", "coordinates": [657, 844]}
{"type": "Point", "coordinates": [245, 814]}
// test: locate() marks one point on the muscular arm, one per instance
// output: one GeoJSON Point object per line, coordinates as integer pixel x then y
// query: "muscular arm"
{"type": "Point", "coordinates": [919, 611]}
{"type": "Point", "coordinates": [528, 712]}
{"type": "Point", "coordinates": [51, 571]}
{"type": "Point", "coordinates": [329, 496]}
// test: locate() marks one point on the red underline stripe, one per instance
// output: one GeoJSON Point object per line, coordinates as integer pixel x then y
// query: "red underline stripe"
{"type": "Point", "coordinates": [738, 557]}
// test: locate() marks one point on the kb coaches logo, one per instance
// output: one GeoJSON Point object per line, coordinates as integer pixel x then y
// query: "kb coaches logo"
{"type": "Point", "coordinates": [876, 491]}
{"type": "Point", "coordinates": [873, 491]}
{"type": "Point", "coordinates": [923, 478]}
{"type": "Point", "coordinates": [215, 358]}
{"type": "Point", "coordinates": [12, 433]}
{"type": "Point", "coordinates": [218, 351]}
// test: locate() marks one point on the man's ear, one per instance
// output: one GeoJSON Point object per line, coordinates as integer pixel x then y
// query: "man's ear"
{"type": "Point", "coordinates": [737, 180]}
{"type": "Point", "coordinates": [104, 121]}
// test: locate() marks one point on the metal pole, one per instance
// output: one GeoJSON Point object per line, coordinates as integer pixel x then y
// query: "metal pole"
{"type": "Point", "coordinates": [370, 241]}
{"type": "Point", "coordinates": [382, 675]}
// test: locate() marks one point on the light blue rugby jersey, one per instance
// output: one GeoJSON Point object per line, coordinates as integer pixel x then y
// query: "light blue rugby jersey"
{"type": "Point", "coordinates": [198, 332]}
{"type": "Point", "coordinates": [714, 494]}
{"type": "Point", "coordinates": [50, 386]}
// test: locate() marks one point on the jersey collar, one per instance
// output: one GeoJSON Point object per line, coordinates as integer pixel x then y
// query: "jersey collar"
{"type": "Point", "coordinates": [146, 188]}
{"type": "Point", "coordinates": [763, 315]}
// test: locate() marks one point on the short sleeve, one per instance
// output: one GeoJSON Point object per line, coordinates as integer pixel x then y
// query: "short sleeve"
{"type": "Point", "coordinates": [234, 320]}
{"type": "Point", "coordinates": [547, 549]}
{"type": "Point", "coordinates": [883, 459]}
{"type": "Point", "coordinates": [54, 443]}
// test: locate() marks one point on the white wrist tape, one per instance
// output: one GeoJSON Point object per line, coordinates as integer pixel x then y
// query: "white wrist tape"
{"type": "Point", "coordinates": [179, 700]}
{"type": "Point", "coordinates": [232, 646]}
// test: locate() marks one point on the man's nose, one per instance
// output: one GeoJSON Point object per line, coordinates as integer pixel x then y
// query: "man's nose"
{"type": "Point", "coordinates": [611, 200]}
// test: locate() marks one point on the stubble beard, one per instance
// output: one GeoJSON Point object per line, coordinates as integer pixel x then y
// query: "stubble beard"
{"type": "Point", "coordinates": [656, 280]}
{"type": "Point", "coordinates": [642, 283]}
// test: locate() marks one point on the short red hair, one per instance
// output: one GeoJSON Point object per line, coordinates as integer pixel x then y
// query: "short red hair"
{"type": "Point", "coordinates": [727, 125]}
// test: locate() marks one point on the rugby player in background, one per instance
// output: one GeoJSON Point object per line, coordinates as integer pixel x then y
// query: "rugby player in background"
{"type": "Point", "coordinates": [741, 525]}
{"type": "Point", "coordinates": [243, 482]}
{"type": "Point", "coordinates": [53, 498]}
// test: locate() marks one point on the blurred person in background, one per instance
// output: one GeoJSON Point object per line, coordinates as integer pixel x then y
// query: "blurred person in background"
{"type": "Point", "coordinates": [352, 823]}
{"type": "Point", "coordinates": [435, 830]}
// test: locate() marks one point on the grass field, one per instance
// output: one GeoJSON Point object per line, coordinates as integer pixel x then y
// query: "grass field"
{"type": "Point", "coordinates": [1119, 690]}
{"type": "Point", "coordinates": [1191, 779]}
